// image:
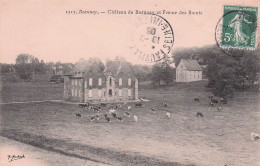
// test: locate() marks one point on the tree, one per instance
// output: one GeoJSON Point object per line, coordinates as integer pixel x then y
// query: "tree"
{"type": "Point", "coordinates": [162, 72]}
{"type": "Point", "coordinates": [27, 65]}
{"type": "Point", "coordinates": [142, 72]}
{"type": "Point", "coordinates": [156, 74]}
{"type": "Point", "coordinates": [229, 73]}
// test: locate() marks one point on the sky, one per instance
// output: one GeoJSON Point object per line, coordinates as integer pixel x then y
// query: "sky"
{"type": "Point", "coordinates": [44, 30]}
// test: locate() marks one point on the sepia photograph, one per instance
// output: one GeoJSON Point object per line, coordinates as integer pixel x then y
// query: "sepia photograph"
{"type": "Point", "coordinates": [129, 83]}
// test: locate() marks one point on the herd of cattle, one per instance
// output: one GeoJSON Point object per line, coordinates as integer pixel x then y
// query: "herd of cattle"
{"type": "Point", "coordinates": [112, 110]}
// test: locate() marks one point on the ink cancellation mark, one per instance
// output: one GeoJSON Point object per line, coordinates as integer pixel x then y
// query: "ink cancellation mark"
{"type": "Point", "coordinates": [237, 29]}
{"type": "Point", "coordinates": [154, 38]}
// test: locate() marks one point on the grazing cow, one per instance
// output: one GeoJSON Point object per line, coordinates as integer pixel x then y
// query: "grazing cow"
{"type": "Point", "coordinates": [112, 111]}
{"type": "Point", "coordinates": [197, 99]}
{"type": "Point", "coordinates": [119, 118]}
{"type": "Point", "coordinates": [127, 113]}
{"type": "Point", "coordinates": [78, 115]}
{"type": "Point", "coordinates": [107, 118]}
{"type": "Point", "coordinates": [114, 115]}
{"type": "Point", "coordinates": [97, 116]}
{"type": "Point", "coordinates": [164, 104]}
{"type": "Point", "coordinates": [168, 114]}
{"type": "Point", "coordinates": [138, 105]}
{"type": "Point", "coordinates": [84, 105]}
{"type": "Point", "coordinates": [214, 101]}
{"type": "Point", "coordinates": [96, 108]}
{"type": "Point", "coordinates": [255, 136]}
{"type": "Point", "coordinates": [129, 108]}
{"type": "Point", "coordinates": [110, 106]}
{"type": "Point", "coordinates": [103, 104]}
{"type": "Point", "coordinates": [135, 118]}
{"type": "Point", "coordinates": [219, 109]}
{"type": "Point", "coordinates": [199, 114]}
{"type": "Point", "coordinates": [92, 119]}
{"type": "Point", "coordinates": [152, 109]}
{"type": "Point", "coordinates": [211, 104]}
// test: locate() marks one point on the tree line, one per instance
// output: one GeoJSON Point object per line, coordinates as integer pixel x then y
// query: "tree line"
{"type": "Point", "coordinates": [226, 73]}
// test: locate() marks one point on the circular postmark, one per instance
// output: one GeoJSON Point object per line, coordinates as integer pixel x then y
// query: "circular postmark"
{"type": "Point", "coordinates": [235, 32]}
{"type": "Point", "coordinates": [153, 38]}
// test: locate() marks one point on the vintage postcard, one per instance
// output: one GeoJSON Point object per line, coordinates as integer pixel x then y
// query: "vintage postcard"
{"type": "Point", "coordinates": [129, 83]}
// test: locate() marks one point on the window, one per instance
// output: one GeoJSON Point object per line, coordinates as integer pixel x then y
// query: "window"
{"type": "Point", "coordinates": [72, 92]}
{"type": "Point", "coordinates": [129, 81]}
{"type": "Point", "coordinates": [76, 92]}
{"type": "Point", "coordinates": [129, 92]}
{"type": "Point", "coordinates": [86, 85]}
{"type": "Point", "coordinates": [110, 92]}
{"type": "Point", "coordinates": [90, 93]}
{"type": "Point", "coordinates": [110, 81]}
{"type": "Point", "coordinates": [99, 81]}
{"type": "Point", "coordinates": [90, 81]}
{"type": "Point", "coordinates": [76, 82]}
{"type": "Point", "coordinates": [79, 93]}
{"type": "Point", "coordinates": [120, 81]}
{"type": "Point", "coordinates": [120, 92]}
{"type": "Point", "coordinates": [99, 93]}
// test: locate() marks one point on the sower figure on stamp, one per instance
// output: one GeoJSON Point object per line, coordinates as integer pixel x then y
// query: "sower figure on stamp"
{"type": "Point", "coordinates": [236, 23]}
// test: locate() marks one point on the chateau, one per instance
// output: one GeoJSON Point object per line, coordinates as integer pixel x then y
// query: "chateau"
{"type": "Point", "coordinates": [90, 84]}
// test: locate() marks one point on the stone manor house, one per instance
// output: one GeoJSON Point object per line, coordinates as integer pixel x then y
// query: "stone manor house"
{"type": "Point", "coordinates": [188, 70]}
{"type": "Point", "coordinates": [90, 84]}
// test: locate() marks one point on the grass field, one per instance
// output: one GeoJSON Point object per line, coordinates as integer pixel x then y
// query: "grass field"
{"type": "Point", "coordinates": [217, 139]}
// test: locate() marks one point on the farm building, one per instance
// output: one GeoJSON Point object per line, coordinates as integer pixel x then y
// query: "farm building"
{"type": "Point", "coordinates": [90, 83]}
{"type": "Point", "coordinates": [188, 71]}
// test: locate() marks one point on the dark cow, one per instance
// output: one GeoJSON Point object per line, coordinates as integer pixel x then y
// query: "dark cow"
{"type": "Point", "coordinates": [85, 105]}
{"type": "Point", "coordinates": [103, 104]}
{"type": "Point", "coordinates": [164, 104]}
{"type": "Point", "coordinates": [138, 105]}
{"type": "Point", "coordinates": [199, 114]}
{"type": "Point", "coordinates": [197, 99]}
{"type": "Point", "coordinates": [214, 101]}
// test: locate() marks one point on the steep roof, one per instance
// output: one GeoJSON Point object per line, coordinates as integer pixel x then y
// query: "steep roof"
{"type": "Point", "coordinates": [112, 68]}
{"type": "Point", "coordinates": [191, 65]}
{"type": "Point", "coordinates": [118, 68]}
{"type": "Point", "coordinates": [93, 70]}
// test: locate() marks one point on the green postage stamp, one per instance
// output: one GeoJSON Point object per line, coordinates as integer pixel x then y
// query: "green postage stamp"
{"type": "Point", "coordinates": [239, 27]}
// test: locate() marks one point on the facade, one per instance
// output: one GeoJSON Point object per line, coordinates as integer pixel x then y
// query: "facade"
{"type": "Point", "coordinates": [188, 71]}
{"type": "Point", "coordinates": [115, 83]}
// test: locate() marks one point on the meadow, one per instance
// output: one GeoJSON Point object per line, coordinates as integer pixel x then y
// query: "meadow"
{"type": "Point", "coordinates": [218, 138]}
